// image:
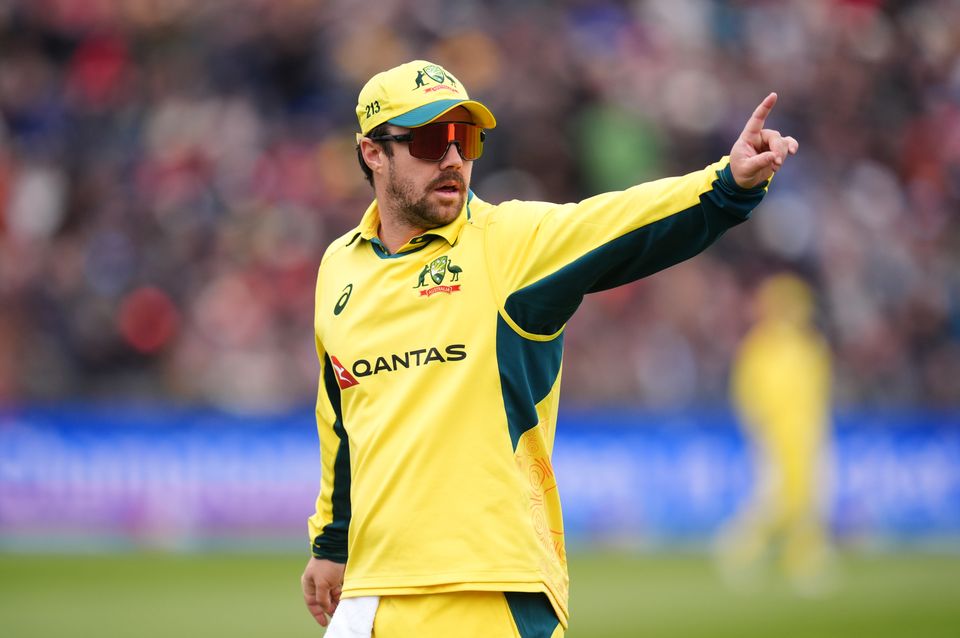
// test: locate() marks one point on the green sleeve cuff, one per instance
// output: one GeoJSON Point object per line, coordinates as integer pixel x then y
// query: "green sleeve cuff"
{"type": "Point", "coordinates": [330, 546]}
{"type": "Point", "coordinates": [726, 196]}
{"type": "Point", "coordinates": [731, 186]}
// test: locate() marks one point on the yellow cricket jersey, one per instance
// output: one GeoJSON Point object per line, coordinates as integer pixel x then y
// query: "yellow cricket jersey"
{"type": "Point", "coordinates": [440, 376]}
{"type": "Point", "coordinates": [781, 390]}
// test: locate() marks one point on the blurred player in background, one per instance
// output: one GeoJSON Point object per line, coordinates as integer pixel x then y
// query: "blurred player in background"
{"type": "Point", "coordinates": [781, 392]}
{"type": "Point", "coordinates": [439, 325]}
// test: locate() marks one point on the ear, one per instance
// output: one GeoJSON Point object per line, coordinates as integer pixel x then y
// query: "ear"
{"type": "Point", "coordinates": [372, 154]}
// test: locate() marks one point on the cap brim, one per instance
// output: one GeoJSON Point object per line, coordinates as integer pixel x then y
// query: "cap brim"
{"type": "Point", "coordinates": [427, 113]}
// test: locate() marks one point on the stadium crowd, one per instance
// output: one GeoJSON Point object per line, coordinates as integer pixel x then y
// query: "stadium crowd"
{"type": "Point", "coordinates": [171, 171]}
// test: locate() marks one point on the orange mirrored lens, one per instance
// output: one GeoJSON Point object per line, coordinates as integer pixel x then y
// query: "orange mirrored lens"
{"type": "Point", "coordinates": [430, 142]}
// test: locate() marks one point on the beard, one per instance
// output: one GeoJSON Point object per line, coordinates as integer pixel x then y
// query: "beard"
{"type": "Point", "coordinates": [420, 212]}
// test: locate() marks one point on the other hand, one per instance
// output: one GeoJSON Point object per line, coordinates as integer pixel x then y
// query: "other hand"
{"type": "Point", "coordinates": [322, 584]}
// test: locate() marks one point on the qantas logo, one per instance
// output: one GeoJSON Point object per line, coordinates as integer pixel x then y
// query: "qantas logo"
{"type": "Point", "coordinates": [344, 379]}
{"type": "Point", "coordinates": [393, 362]}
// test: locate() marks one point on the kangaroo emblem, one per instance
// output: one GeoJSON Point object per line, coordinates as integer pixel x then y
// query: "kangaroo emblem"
{"type": "Point", "coordinates": [422, 281]}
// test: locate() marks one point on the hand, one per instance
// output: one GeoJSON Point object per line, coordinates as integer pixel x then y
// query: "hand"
{"type": "Point", "coordinates": [759, 152]}
{"type": "Point", "coordinates": [322, 584]}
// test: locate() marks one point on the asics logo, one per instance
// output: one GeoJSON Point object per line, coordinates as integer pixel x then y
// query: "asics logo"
{"type": "Point", "coordinates": [342, 301]}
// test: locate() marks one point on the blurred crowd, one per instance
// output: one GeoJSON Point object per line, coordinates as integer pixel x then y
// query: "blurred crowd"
{"type": "Point", "coordinates": [171, 172]}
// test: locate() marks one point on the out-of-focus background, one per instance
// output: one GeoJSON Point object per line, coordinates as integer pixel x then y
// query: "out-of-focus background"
{"type": "Point", "coordinates": [171, 172]}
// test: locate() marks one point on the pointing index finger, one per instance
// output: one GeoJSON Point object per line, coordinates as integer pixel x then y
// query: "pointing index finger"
{"type": "Point", "coordinates": [756, 121]}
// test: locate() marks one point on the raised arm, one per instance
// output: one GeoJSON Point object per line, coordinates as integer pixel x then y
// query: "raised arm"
{"type": "Point", "coordinates": [549, 256]}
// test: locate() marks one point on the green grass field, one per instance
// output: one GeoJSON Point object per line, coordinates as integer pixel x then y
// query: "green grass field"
{"type": "Point", "coordinates": [614, 595]}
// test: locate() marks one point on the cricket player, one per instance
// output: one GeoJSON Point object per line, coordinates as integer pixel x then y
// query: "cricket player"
{"type": "Point", "coordinates": [439, 327]}
{"type": "Point", "coordinates": [781, 391]}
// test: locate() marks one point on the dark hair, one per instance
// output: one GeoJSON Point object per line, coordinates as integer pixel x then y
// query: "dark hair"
{"type": "Point", "coordinates": [381, 129]}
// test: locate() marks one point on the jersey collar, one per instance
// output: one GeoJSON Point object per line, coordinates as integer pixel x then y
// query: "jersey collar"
{"type": "Point", "coordinates": [370, 224]}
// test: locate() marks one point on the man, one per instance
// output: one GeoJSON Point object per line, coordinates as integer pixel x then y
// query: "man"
{"type": "Point", "coordinates": [781, 391]}
{"type": "Point", "coordinates": [438, 400]}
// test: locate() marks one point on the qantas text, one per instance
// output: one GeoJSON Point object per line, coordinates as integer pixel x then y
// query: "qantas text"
{"type": "Point", "coordinates": [415, 358]}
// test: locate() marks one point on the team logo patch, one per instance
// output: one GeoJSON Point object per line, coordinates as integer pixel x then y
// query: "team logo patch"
{"type": "Point", "coordinates": [437, 270]}
{"type": "Point", "coordinates": [440, 77]}
{"type": "Point", "coordinates": [344, 378]}
{"type": "Point", "coordinates": [436, 73]}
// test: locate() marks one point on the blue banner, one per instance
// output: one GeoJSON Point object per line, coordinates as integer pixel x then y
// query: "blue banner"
{"type": "Point", "coordinates": [669, 477]}
{"type": "Point", "coordinates": [167, 476]}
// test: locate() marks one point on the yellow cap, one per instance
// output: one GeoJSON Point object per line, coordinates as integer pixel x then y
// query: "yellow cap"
{"type": "Point", "coordinates": [414, 94]}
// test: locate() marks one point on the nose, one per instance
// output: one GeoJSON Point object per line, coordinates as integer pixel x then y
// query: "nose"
{"type": "Point", "coordinates": [452, 158]}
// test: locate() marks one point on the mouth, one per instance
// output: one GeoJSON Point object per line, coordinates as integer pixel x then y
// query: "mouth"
{"type": "Point", "coordinates": [449, 187]}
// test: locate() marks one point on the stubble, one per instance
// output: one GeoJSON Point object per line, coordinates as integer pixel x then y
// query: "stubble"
{"type": "Point", "coordinates": [420, 212]}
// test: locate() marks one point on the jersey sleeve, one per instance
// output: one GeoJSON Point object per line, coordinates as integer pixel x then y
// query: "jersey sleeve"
{"type": "Point", "coordinates": [330, 522]}
{"type": "Point", "coordinates": [548, 256]}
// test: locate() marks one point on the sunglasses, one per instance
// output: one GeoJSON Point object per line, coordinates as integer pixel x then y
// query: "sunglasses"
{"type": "Point", "coordinates": [431, 141]}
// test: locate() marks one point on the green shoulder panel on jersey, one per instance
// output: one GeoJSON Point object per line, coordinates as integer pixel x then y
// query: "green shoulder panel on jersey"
{"type": "Point", "coordinates": [546, 305]}
{"type": "Point", "coordinates": [331, 543]}
{"type": "Point", "coordinates": [528, 370]}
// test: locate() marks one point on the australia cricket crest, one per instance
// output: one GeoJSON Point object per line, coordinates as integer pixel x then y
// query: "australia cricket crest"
{"type": "Point", "coordinates": [439, 75]}
{"type": "Point", "coordinates": [437, 270]}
